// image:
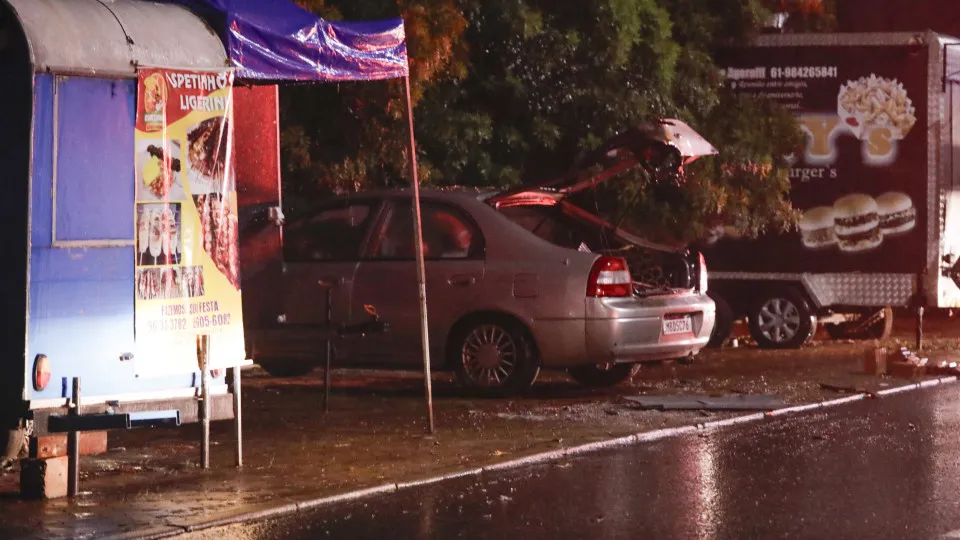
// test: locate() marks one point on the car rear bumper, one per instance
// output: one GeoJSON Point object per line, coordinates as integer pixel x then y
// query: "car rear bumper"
{"type": "Point", "coordinates": [628, 330]}
{"type": "Point", "coordinates": [632, 329]}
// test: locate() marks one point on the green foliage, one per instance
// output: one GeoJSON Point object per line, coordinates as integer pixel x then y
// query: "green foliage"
{"type": "Point", "coordinates": [516, 91]}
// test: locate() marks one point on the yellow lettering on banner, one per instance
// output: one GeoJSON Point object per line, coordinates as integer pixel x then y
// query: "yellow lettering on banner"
{"type": "Point", "coordinates": [880, 142]}
{"type": "Point", "coordinates": [820, 130]}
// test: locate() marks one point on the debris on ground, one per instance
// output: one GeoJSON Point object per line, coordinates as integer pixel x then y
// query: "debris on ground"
{"type": "Point", "coordinates": [736, 402]}
{"type": "Point", "coordinates": [844, 389]}
{"type": "Point", "coordinates": [904, 363]}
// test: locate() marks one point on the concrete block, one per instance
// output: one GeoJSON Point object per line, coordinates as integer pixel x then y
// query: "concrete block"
{"type": "Point", "coordinates": [55, 445]}
{"type": "Point", "coordinates": [906, 370]}
{"type": "Point", "coordinates": [43, 478]}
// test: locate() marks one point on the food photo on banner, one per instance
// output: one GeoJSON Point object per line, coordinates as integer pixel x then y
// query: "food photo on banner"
{"type": "Point", "coordinates": [187, 261]}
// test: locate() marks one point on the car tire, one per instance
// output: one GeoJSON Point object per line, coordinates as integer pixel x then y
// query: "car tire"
{"type": "Point", "coordinates": [782, 319]}
{"type": "Point", "coordinates": [596, 376]}
{"type": "Point", "coordinates": [880, 329]}
{"type": "Point", "coordinates": [494, 357]}
{"type": "Point", "coordinates": [278, 367]}
{"type": "Point", "coordinates": [723, 325]}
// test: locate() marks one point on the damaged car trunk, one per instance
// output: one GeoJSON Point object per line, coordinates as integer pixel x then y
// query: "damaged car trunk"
{"type": "Point", "coordinates": [548, 210]}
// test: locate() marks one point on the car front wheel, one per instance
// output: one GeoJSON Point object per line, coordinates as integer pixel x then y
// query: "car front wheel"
{"type": "Point", "coordinates": [602, 376]}
{"type": "Point", "coordinates": [494, 358]}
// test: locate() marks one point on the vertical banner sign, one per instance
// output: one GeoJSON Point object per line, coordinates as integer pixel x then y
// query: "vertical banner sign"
{"type": "Point", "coordinates": [187, 265]}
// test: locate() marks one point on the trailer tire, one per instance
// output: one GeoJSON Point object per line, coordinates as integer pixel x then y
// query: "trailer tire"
{"type": "Point", "coordinates": [782, 319]}
{"type": "Point", "coordinates": [723, 324]}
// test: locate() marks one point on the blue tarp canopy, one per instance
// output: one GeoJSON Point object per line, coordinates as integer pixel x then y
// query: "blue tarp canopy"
{"type": "Point", "coordinates": [277, 40]}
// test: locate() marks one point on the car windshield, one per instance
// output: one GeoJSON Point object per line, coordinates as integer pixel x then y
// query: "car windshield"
{"type": "Point", "coordinates": [553, 225]}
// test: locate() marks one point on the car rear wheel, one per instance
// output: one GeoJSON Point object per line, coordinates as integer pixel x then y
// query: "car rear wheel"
{"type": "Point", "coordinates": [602, 376]}
{"type": "Point", "coordinates": [280, 367]}
{"type": "Point", "coordinates": [782, 319]}
{"type": "Point", "coordinates": [494, 358]}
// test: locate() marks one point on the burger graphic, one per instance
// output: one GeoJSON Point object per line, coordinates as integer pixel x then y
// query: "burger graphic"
{"type": "Point", "coordinates": [857, 223]}
{"type": "Point", "coordinates": [817, 227]}
{"type": "Point", "coordinates": [896, 212]}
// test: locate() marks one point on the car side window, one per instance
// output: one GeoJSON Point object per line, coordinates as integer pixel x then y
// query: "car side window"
{"type": "Point", "coordinates": [332, 234]}
{"type": "Point", "coordinates": [447, 234]}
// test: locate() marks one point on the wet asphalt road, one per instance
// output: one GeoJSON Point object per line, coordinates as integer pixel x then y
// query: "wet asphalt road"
{"type": "Point", "coordinates": [886, 468]}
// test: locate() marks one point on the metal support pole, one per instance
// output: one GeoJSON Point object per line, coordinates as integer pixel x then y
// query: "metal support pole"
{"type": "Point", "coordinates": [421, 273]}
{"type": "Point", "coordinates": [73, 445]}
{"type": "Point", "coordinates": [919, 344]}
{"type": "Point", "coordinates": [326, 368]}
{"type": "Point", "coordinates": [205, 401]}
{"type": "Point", "coordinates": [237, 413]}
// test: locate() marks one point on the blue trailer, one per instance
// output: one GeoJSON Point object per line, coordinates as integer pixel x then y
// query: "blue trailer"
{"type": "Point", "coordinates": [68, 101]}
{"type": "Point", "coordinates": [67, 92]}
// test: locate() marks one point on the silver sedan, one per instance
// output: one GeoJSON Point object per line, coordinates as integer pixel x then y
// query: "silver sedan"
{"type": "Point", "coordinates": [502, 302]}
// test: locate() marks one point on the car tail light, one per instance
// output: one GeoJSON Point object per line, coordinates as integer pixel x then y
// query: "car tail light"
{"type": "Point", "coordinates": [610, 277]}
{"type": "Point", "coordinates": [703, 274]}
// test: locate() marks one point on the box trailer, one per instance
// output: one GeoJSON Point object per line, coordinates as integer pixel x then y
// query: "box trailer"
{"type": "Point", "coordinates": [875, 180]}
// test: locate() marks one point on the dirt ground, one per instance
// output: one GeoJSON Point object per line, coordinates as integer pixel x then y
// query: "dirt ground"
{"type": "Point", "coordinates": [375, 432]}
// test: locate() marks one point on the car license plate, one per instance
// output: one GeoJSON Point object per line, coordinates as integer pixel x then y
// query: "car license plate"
{"type": "Point", "coordinates": [678, 325]}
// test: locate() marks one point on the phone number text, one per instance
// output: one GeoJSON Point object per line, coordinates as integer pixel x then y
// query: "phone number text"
{"type": "Point", "coordinates": [179, 324]}
{"type": "Point", "coordinates": [804, 72]}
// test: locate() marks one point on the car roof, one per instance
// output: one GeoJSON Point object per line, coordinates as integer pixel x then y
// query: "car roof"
{"type": "Point", "coordinates": [478, 197]}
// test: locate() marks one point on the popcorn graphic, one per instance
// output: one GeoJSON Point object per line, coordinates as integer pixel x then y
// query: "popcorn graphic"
{"type": "Point", "coordinates": [874, 102]}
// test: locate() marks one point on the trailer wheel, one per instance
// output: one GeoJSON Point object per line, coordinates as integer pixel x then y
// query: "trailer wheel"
{"type": "Point", "coordinates": [724, 321]}
{"type": "Point", "coordinates": [782, 319]}
{"type": "Point", "coordinates": [870, 325]}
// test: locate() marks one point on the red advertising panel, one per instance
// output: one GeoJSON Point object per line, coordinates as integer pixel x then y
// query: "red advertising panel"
{"type": "Point", "coordinates": [860, 177]}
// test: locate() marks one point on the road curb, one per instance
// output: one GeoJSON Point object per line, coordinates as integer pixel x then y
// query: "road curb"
{"type": "Point", "coordinates": [544, 457]}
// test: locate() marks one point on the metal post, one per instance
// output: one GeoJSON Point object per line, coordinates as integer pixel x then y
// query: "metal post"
{"type": "Point", "coordinates": [205, 401]}
{"type": "Point", "coordinates": [237, 413]}
{"type": "Point", "coordinates": [73, 445]}
{"type": "Point", "coordinates": [326, 368]}
{"type": "Point", "coordinates": [919, 328]}
{"type": "Point", "coordinates": [421, 273]}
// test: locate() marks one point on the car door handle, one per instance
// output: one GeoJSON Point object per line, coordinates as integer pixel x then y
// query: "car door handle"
{"type": "Point", "coordinates": [463, 280]}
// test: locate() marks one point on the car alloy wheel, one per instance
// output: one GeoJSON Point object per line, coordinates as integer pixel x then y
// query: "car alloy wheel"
{"type": "Point", "coordinates": [489, 356]}
{"type": "Point", "coordinates": [493, 356]}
